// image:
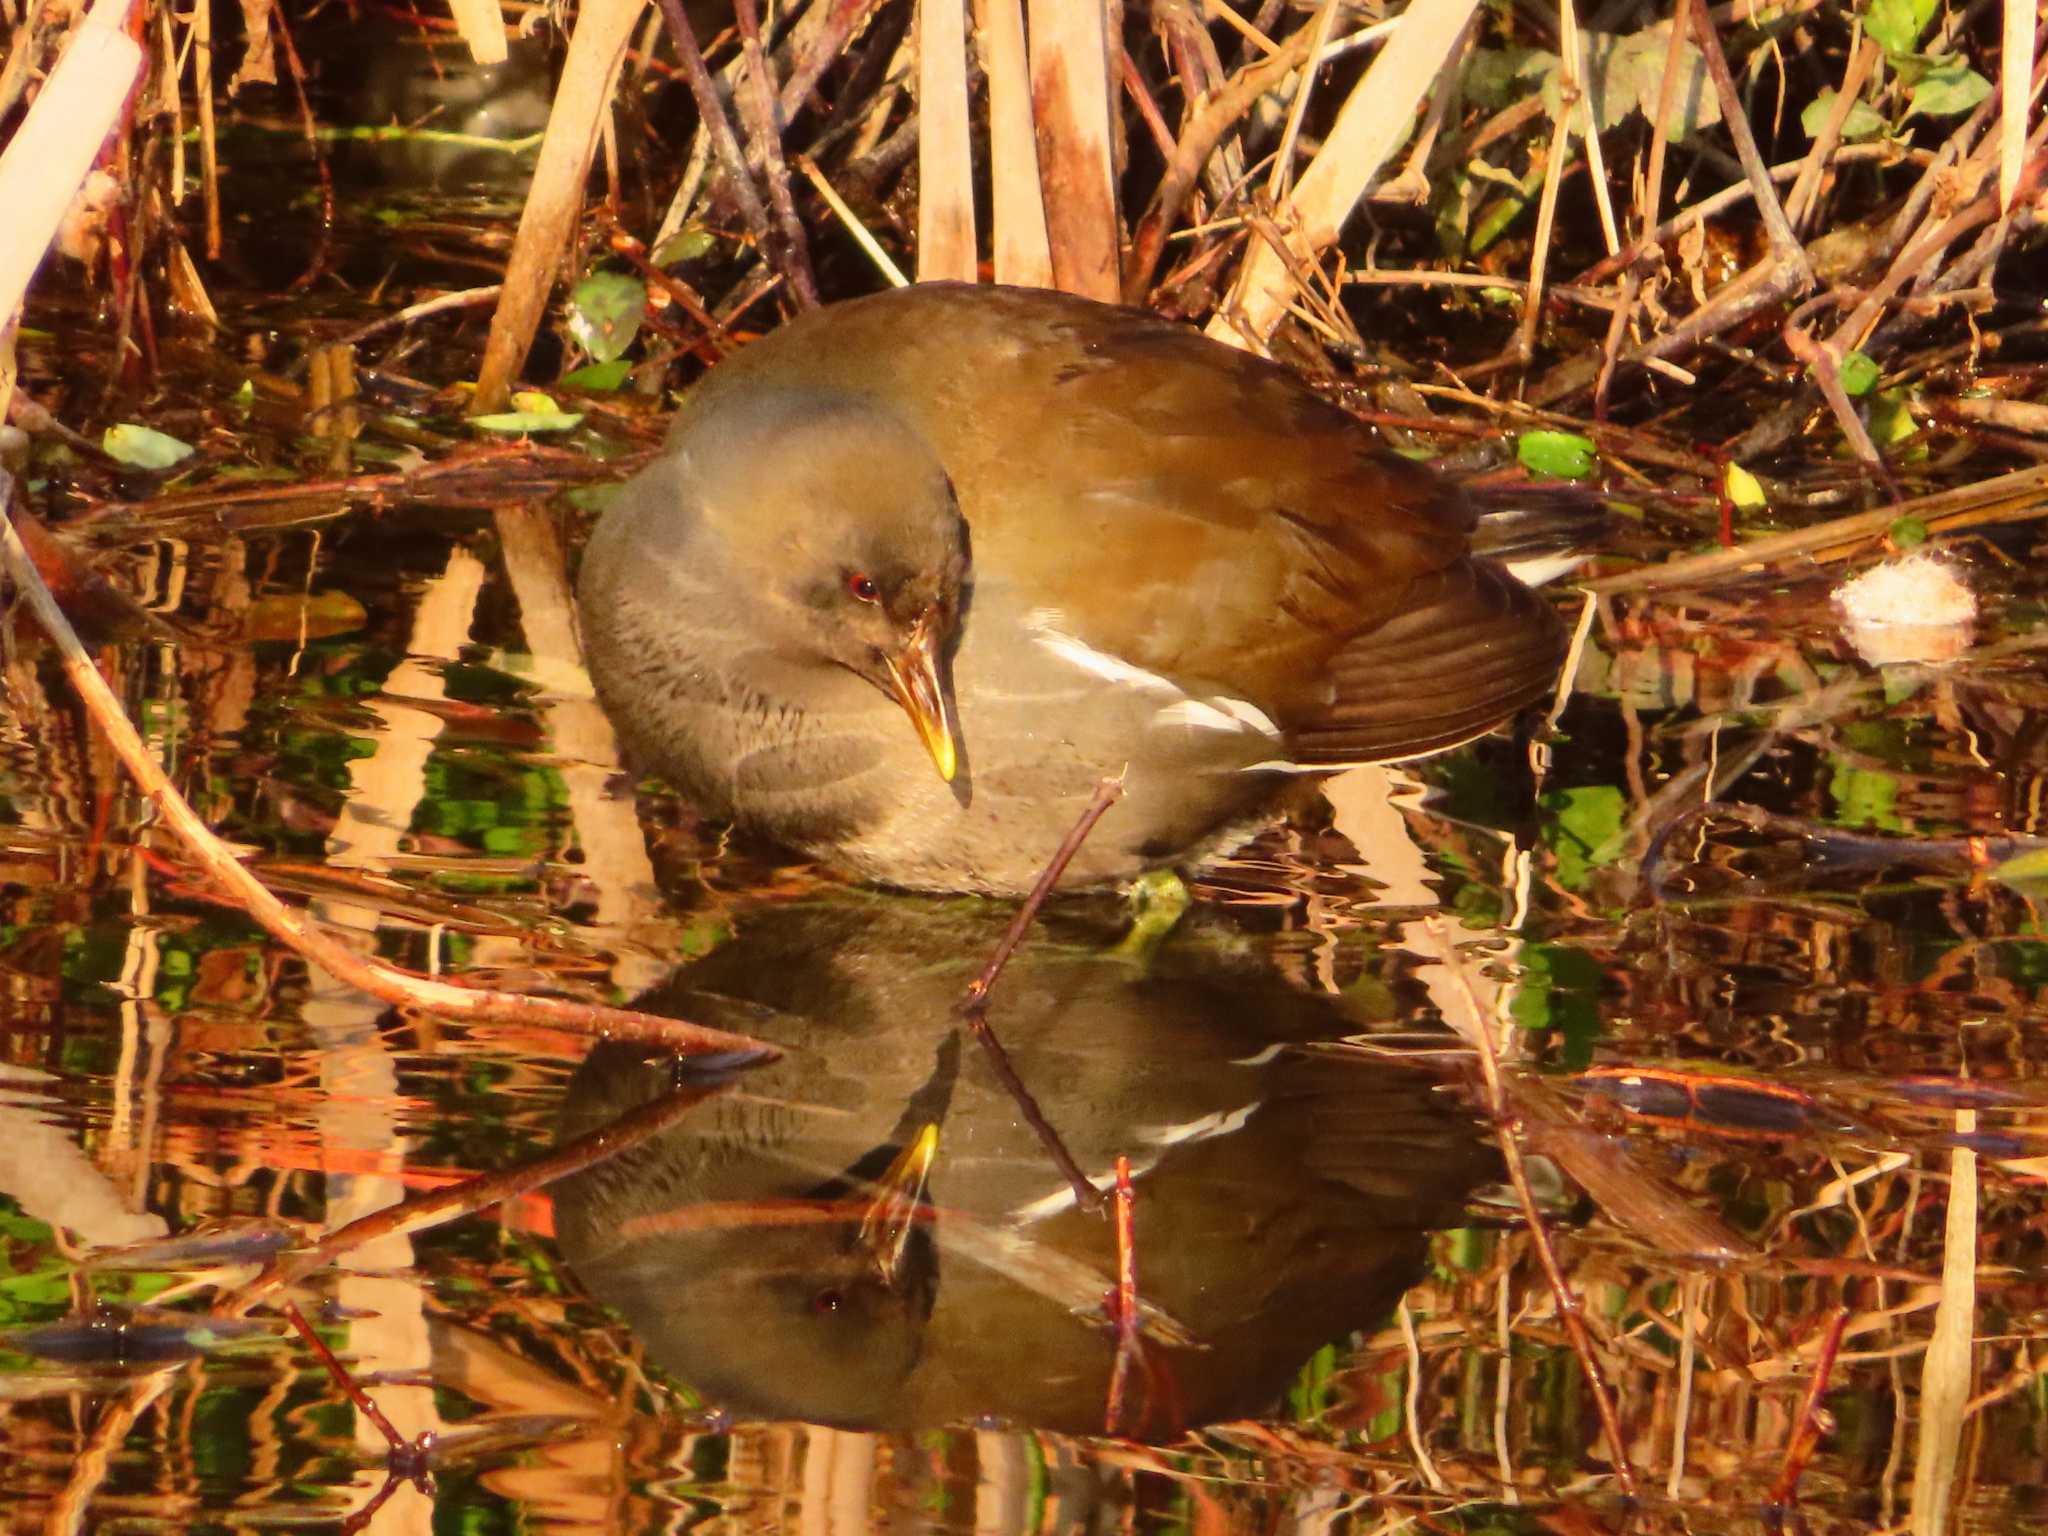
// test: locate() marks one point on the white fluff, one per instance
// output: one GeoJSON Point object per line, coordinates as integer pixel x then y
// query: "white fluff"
{"type": "Point", "coordinates": [1914, 609]}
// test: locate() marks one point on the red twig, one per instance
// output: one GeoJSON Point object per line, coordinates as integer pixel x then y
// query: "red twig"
{"type": "Point", "coordinates": [1123, 1305]}
{"type": "Point", "coordinates": [408, 1458]}
{"type": "Point", "coordinates": [1807, 1431]}
{"type": "Point", "coordinates": [974, 1010]}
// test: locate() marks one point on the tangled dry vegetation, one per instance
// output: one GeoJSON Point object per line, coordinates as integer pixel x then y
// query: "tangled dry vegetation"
{"type": "Point", "coordinates": [1585, 232]}
{"type": "Point", "coordinates": [1768, 273]}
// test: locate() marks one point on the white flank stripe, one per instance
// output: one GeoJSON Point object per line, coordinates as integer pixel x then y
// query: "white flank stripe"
{"type": "Point", "coordinates": [1219, 714]}
{"type": "Point", "coordinates": [1077, 653]}
{"type": "Point", "coordinates": [1198, 716]}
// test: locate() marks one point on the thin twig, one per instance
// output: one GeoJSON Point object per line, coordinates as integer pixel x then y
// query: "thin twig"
{"type": "Point", "coordinates": [711, 112]}
{"type": "Point", "coordinates": [792, 250]}
{"type": "Point", "coordinates": [1198, 141]}
{"type": "Point", "coordinates": [1806, 1430]}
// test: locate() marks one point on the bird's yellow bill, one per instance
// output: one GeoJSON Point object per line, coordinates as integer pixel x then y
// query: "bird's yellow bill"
{"type": "Point", "coordinates": [914, 681]}
{"type": "Point", "coordinates": [892, 1215]}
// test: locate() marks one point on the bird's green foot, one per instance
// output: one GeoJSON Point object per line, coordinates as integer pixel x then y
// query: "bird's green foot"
{"type": "Point", "coordinates": [1157, 900]}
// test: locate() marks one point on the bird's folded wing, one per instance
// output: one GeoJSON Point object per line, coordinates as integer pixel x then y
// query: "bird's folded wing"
{"type": "Point", "coordinates": [1470, 647]}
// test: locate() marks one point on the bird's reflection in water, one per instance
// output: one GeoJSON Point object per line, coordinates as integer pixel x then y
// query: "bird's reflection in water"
{"type": "Point", "coordinates": [805, 1246]}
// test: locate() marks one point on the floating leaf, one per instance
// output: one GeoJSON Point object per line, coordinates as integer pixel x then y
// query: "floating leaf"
{"type": "Point", "coordinates": [143, 448]}
{"type": "Point", "coordinates": [1862, 122]}
{"type": "Point", "coordinates": [1948, 89]}
{"type": "Point", "coordinates": [1560, 455]}
{"type": "Point", "coordinates": [1896, 25]}
{"type": "Point", "coordinates": [1744, 489]}
{"type": "Point", "coordinates": [1864, 797]}
{"type": "Point", "coordinates": [1585, 831]}
{"type": "Point", "coordinates": [604, 313]}
{"type": "Point", "coordinates": [1859, 373]}
{"type": "Point", "coordinates": [312, 616]}
{"type": "Point", "coordinates": [2027, 871]}
{"type": "Point", "coordinates": [600, 378]}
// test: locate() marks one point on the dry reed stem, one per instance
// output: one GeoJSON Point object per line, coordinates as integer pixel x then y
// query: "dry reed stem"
{"type": "Point", "coordinates": [1022, 251]}
{"type": "Point", "coordinates": [945, 170]}
{"type": "Point", "coordinates": [46, 161]}
{"type": "Point", "coordinates": [1785, 246]}
{"type": "Point", "coordinates": [884, 263]}
{"type": "Point", "coordinates": [1947, 1367]}
{"type": "Point", "coordinates": [1805, 195]}
{"type": "Point", "coordinates": [322, 171]}
{"type": "Point", "coordinates": [481, 24]}
{"type": "Point", "coordinates": [1571, 41]}
{"type": "Point", "coordinates": [682, 38]}
{"type": "Point", "coordinates": [289, 927]}
{"type": "Point", "coordinates": [209, 141]}
{"type": "Point", "coordinates": [825, 49]}
{"type": "Point", "coordinates": [1546, 209]}
{"type": "Point", "coordinates": [1073, 105]}
{"type": "Point", "coordinates": [1827, 374]}
{"type": "Point", "coordinates": [1282, 176]}
{"type": "Point", "coordinates": [2015, 70]}
{"type": "Point", "coordinates": [548, 219]}
{"type": "Point", "coordinates": [1376, 118]}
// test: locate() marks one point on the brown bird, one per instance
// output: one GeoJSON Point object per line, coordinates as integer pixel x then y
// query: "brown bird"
{"type": "Point", "coordinates": [1064, 540]}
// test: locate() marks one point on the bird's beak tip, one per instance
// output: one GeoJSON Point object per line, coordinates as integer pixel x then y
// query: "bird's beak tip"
{"type": "Point", "coordinates": [914, 680]}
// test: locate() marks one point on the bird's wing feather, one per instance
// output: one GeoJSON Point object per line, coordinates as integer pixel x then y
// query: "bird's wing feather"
{"type": "Point", "coordinates": [1473, 646]}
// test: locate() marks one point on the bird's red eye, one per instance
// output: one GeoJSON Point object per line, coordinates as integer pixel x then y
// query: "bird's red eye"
{"type": "Point", "coordinates": [863, 587]}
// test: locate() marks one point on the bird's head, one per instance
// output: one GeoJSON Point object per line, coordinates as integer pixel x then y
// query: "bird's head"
{"type": "Point", "coordinates": [836, 524]}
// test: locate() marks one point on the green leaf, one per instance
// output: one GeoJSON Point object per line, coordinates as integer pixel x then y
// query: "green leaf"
{"type": "Point", "coordinates": [1862, 121]}
{"type": "Point", "coordinates": [1585, 831]}
{"type": "Point", "coordinates": [1560, 455]}
{"type": "Point", "coordinates": [520, 422]}
{"type": "Point", "coordinates": [686, 244]}
{"type": "Point", "coordinates": [1500, 77]}
{"type": "Point", "coordinates": [1625, 75]}
{"type": "Point", "coordinates": [1948, 89]}
{"type": "Point", "coordinates": [600, 378]}
{"type": "Point", "coordinates": [1859, 373]}
{"type": "Point", "coordinates": [143, 448]}
{"type": "Point", "coordinates": [2027, 870]}
{"type": "Point", "coordinates": [1744, 489]}
{"type": "Point", "coordinates": [1896, 25]}
{"type": "Point", "coordinates": [1891, 421]}
{"type": "Point", "coordinates": [1907, 533]}
{"type": "Point", "coordinates": [1864, 797]}
{"type": "Point", "coordinates": [604, 313]}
